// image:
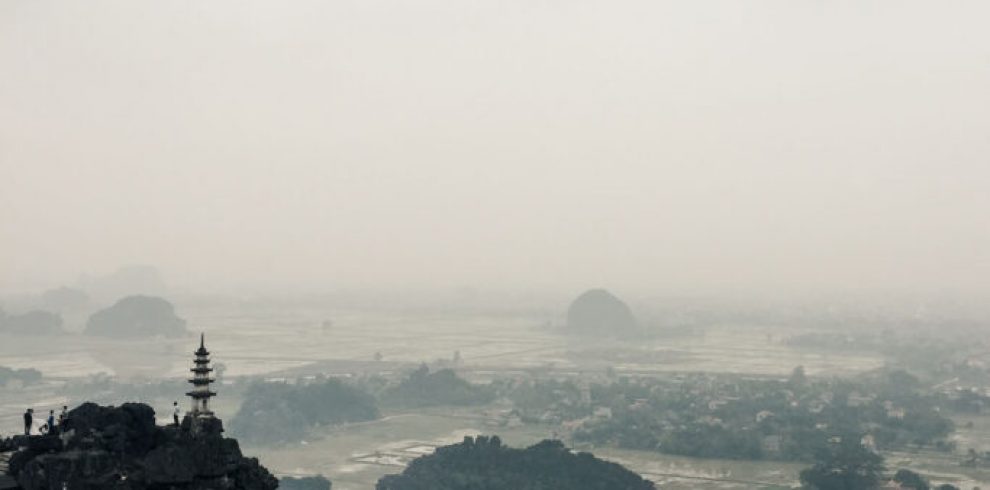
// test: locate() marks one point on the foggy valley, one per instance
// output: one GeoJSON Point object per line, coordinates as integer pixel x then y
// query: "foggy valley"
{"type": "Point", "coordinates": [532, 245]}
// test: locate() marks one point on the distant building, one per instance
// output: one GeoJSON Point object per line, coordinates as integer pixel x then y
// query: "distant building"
{"type": "Point", "coordinates": [639, 404]}
{"type": "Point", "coordinates": [893, 485]}
{"type": "Point", "coordinates": [975, 362]}
{"type": "Point", "coordinates": [857, 399]}
{"type": "Point", "coordinates": [869, 442]}
{"type": "Point", "coordinates": [771, 444]}
{"type": "Point", "coordinates": [586, 394]}
{"type": "Point", "coordinates": [716, 404]}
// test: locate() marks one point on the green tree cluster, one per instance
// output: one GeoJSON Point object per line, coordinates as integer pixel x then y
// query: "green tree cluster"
{"type": "Point", "coordinates": [423, 388]}
{"type": "Point", "coordinates": [846, 465]}
{"type": "Point", "coordinates": [483, 463]}
{"type": "Point", "coordinates": [282, 412]}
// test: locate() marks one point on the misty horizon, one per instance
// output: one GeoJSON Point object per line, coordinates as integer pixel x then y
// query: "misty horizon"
{"type": "Point", "coordinates": [500, 245]}
{"type": "Point", "coordinates": [779, 148]}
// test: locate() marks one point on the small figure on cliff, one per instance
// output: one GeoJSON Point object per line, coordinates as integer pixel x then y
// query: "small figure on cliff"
{"type": "Point", "coordinates": [175, 413]}
{"type": "Point", "coordinates": [62, 417]}
{"type": "Point", "coordinates": [28, 420]}
{"type": "Point", "coordinates": [51, 421]}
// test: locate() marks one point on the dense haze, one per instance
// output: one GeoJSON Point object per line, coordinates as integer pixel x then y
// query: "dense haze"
{"type": "Point", "coordinates": [642, 145]}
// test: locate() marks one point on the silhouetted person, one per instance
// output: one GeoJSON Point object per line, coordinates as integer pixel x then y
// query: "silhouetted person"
{"type": "Point", "coordinates": [175, 413]}
{"type": "Point", "coordinates": [28, 420]}
{"type": "Point", "coordinates": [51, 421]}
{"type": "Point", "coordinates": [62, 417]}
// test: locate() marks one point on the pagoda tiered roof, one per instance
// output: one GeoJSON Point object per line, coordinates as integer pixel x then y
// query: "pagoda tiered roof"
{"type": "Point", "coordinates": [202, 352]}
{"type": "Point", "coordinates": [199, 395]}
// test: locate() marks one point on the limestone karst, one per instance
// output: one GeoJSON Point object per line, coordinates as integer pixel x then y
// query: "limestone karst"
{"type": "Point", "coordinates": [600, 313]}
{"type": "Point", "coordinates": [122, 448]}
{"type": "Point", "coordinates": [137, 317]}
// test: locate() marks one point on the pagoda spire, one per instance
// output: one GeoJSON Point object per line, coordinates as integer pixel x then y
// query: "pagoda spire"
{"type": "Point", "coordinates": [201, 381]}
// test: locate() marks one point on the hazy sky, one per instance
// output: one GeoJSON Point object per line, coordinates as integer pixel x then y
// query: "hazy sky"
{"type": "Point", "coordinates": [641, 145]}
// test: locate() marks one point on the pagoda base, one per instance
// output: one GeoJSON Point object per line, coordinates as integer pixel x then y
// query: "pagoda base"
{"type": "Point", "coordinates": [201, 424]}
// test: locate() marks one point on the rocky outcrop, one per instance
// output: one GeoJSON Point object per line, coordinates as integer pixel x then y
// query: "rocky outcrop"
{"type": "Point", "coordinates": [305, 483]}
{"type": "Point", "coordinates": [598, 312]}
{"type": "Point", "coordinates": [122, 448]}
{"type": "Point", "coordinates": [484, 463]}
{"type": "Point", "coordinates": [137, 316]}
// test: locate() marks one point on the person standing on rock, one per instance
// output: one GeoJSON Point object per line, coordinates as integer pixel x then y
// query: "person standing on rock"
{"type": "Point", "coordinates": [175, 413]}
{"type": "Point", "coordinates": [62, 417]}
{"type": "Point", "coordinates": [28, 420]}
{"type": "Point", "coordinates": [51, 421]}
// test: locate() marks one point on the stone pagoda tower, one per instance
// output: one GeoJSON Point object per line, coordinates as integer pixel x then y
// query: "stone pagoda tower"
{"type": "Point", "coordinates": [201, 381]}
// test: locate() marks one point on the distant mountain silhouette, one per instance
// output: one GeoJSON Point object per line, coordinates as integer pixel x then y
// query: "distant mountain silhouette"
{"type": "Point", "coordinates": [137, 316]}
{"type": "Point", "coordinates": [598, 312]}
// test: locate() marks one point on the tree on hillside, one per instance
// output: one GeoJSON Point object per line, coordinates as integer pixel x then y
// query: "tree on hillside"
{"type": "Point", "coordinates": [845, 465]}
{"type": "Point", "coordinates": [282, 412]}
{"type": "Point", "coordinates": [910, 479]}
{"type": "Point", "coordinates": [422, 388]}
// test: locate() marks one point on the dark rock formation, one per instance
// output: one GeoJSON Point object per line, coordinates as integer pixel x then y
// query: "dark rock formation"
{"type": "Point", "coordinates": [598, 312]}
{"type": "Point", "coordinates": [22, 376]}
{"type": "Point", "coordinates": [37, 322]}
{"type": "Point", "coordinates": [137, 316]}
{"type": "Point", "coordinates": [304, 483]}
{"type": "Point", "coordinates": [122, 448]}
{"type": "Point", "coordinates": [282, 412]}
{"type": "Point", "coordinates": [484, 463]}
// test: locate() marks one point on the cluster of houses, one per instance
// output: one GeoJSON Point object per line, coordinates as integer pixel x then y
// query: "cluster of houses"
{"type": "Point", "coordinates": [574, 409]}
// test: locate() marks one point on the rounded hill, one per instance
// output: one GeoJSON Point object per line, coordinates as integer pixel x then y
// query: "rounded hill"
{"type": "Point", "coordinates": [599, 312]}
{"type": "Point", "coordinates": [137, 316]}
